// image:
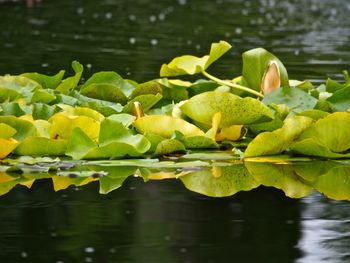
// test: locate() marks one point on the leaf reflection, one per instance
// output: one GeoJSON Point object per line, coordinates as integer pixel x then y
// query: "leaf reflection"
{"type": "Point", "coordinates": [297, 179]}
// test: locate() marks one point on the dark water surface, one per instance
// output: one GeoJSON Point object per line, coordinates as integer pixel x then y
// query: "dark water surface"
{"type": "Point", "coordinates": [162, 221]}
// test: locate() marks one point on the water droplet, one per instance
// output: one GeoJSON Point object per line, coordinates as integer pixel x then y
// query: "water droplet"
{"type": "Point", "coordinates": [198, 47]}
{"type": "Point", "coordinates": [182, 2]}
{"type": "Point", "coordinates": [44, 65]}
{"type": "Point", "coordinates": [167, 238]}
{"type": "Point", "coordinates": [132, 40]}
{"type": "Point", "coordinates": [183, 250]}
{"type": "Point", "coordinates": [161, 16]}
{"type": "Point", "coordinates": [88, 66]}
{"type": "Point", "coordinates": [238, 30]}
{"type": "Point", "coordinates": [89, 250]}
{"type": "Point", "coordinates": [109, 15]}
{"type": "Point", "coordinates": [112, 250]}
{"type": "Point", "coordinates": [132, 17]}
{"type": "Point", "coordinates": [24, 254]}
{"type": "Point", "coordinates": [80, 10]}
{"type": "Point", "coordinates": [88, 259]}
{"type": "Point", "coordinates": [154, 42]}
{"type": "Point", "coordinates": [152, 18]}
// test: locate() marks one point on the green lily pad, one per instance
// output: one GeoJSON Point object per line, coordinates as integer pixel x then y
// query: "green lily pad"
{"type": "Point", "coordinates": [191, 64]}
{"type": "Point", "coordinates": [40, 146]}
{"type": "Point", "coordinates": [234, 109]}
{"type": "Point", "coordinates": [104, 91]}
{"type": "Point", "coordinates": [24, 128]}
{"type": "Point", "coordinates": [47, 82]}
{"type": "Point", "coordinates": [168, 146]}
{"type": "Point", "coordinates": [328, 137]}
{"type": "Point", "coordinates": [270, 143]}
{"type": "Point", "coordinates": [71, 83]}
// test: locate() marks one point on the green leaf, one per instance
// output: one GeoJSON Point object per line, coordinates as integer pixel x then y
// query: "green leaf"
{"type": "Point", "coordinates": [15, 87]}
{"type": "Point", "coordinates": [71, 83]}
{"type": "Point", "coordinates": [43, 111]}
{"type": "Point", "coordinates": [169, 146]}
{"type": "Point", "coordinates": [340, 100]}
{"type": "Point", "coordinates": [328, 137]}
{"type": "Point", "coordinates": [39, 146]}
{"type": "Point", "coordinates": [24, 128]}
{"type": "Point", "coordinates": [234, 109]}
{"type": "Point", "coordinates": [149, 87]}
{"type": "Point", "coordinates": [115, 179]}
{"type": "Point", "coordinates": [104, 91]}
{"type": "Point", "coordinates": [296, 99]}
{"type": "Point", "coordinates": [270, 143]}
{"type": "Point", "coordinates": [255, 63]}
{"type": "Point", "coordinates": [79, 144]}
{"type": "Point", "coordinates": [220, 181]}
{"type": "Point", "coordinates": [165, 126]}
{"type": "Point", "coordinates": [44, 96]}
{"type": "Point", "coordinates": [12, 109]}
{"type": "Point", "coordinates": [147, 102]}
{"type": "Point", "coordinates": [106, 77]}
{"type": "Point", "coordinates": [47, 82]}
{"type": "Point", "coordinates": [191, 64]}
{"type": "Point", "coordinates": [6, 131]}
{"type": "Point", "coordinates": [199, 142]}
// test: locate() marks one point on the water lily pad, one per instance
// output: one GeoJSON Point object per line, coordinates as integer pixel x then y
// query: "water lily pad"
{"type": "Point", "coordinates": [6, 131]}
{"type": "Point", "coordinates": [328, 137]}
{"type": "Point", "coordinates": [39, 146]}
{"type": "Point", "coordinates": [296, 99]}
{"type": "Point", "coordinates": [165, 126]}
{"type": "Point", "coordinates": [47, 82]}
{"type": "Point", "coordinates": [71, 83]}
{"type": "Point", "coordinates": [104, 91]}
{"type": "Point", "coordinates": [7, 146]}
{"type": "Point", "coordinates": [191, 64]}
{"type": "Point", "coordinates": [168, 146]}
{"type": "Point", "coordinates": [23, 127]}
{"type": "Point", "coordinates": [234, 109]}
{"type": "Point", "coordinates": [270, 143]}
{"type": "Point", "coordinates": [62, 126]}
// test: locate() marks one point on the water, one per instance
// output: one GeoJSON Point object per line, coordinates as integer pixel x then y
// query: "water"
{"type": "Point", "coordinates": [162, 221]}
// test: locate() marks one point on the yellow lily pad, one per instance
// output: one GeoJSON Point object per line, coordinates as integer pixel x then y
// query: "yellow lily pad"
{"type": "Point", "coordinates": [165, 126]}
{"type": "Point", "coordinates": [7, 146]}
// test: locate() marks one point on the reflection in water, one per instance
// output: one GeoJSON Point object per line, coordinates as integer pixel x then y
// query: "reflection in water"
{"type": "Point", "coordinates": [164, 223]}
{"type": "Point", "coordinates": [210, 178]}
{"type": "Point", "coordinates": [325, 228]}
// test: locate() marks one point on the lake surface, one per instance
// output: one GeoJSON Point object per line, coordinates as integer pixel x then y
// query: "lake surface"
{"type": "Point", "coordinates": [162, 221]}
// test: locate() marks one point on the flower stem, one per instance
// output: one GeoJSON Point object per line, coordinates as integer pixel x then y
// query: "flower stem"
{"type": "Point", "coordinates": [231, 84]}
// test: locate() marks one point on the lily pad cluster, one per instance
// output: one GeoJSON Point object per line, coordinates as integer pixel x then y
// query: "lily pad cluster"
{"type": "Point", "coordinates": [261, 112]}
